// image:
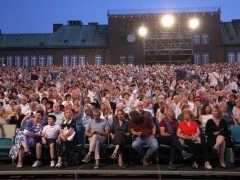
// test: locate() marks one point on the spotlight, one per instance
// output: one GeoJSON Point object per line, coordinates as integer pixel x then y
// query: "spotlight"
{"type": "Point", "coordinates": [193, 23]}
{"type": "Point", "coordinates": [167, 20]}
{"type": "Point", "coordinates": [142, 31]}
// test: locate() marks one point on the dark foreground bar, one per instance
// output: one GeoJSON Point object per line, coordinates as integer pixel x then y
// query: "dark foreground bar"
{"type": "Point", "coordinates": [113, 170]}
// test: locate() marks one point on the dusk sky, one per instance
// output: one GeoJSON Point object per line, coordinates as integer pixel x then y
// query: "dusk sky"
{"type": "Point", "coordinates": [37, 16]}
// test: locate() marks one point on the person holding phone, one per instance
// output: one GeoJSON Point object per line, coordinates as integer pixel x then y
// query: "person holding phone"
{"type": "Point", "coordinates": [145, 131]}
{"type": "Point", "coordinates": [97, 130]}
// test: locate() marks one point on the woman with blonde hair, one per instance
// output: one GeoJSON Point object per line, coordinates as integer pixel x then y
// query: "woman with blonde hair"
{"type": "Point", "coordinates": [65, 138]}
{"type": "Point", "coordinates": [107, 113]}
{"type": "Point", "coordinates": [218, 134]}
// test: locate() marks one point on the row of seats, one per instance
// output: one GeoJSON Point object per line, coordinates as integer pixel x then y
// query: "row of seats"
{"type": "Point", "coordinates": [7, 135]}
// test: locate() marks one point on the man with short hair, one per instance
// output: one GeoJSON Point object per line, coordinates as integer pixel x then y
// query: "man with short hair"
{"type": "Point", "coordinates": [145, 131]}
{"type": "Point", "coordinates": [97, 130]}
{"type": "Point", "coordinates": [59, 115]}
{"type": "Point", "coordinates": [24, 105]}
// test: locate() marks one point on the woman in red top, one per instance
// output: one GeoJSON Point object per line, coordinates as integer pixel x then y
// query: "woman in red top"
{"type": "Point", "coordinates": [189, 131]}
{"type": "Point", "coordinates": [168, 129]}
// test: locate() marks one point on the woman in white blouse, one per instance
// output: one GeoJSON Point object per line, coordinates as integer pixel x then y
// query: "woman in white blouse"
{"type": "Point", "coordinates": [206, 114]}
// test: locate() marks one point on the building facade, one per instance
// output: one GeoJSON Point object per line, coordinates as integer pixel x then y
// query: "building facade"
{"type": "Point", "coordinates": [71, 44]}
{"type": "Point", "coordinates": [175, 44]}
{"type": "Point", "coordinates": [119, 42]}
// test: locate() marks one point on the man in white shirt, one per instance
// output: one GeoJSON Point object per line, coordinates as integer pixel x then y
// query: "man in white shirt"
{"type": "Point", "coordinates": [59, 115]}
{"type": "Point", "coordinates": [147, 106]}
{"type": "Point", "coordinates": [232, 84]}
{"type": "Point", "coordinates": [97, 131]}
{"type": "Point", "coordinates": [24, 105]}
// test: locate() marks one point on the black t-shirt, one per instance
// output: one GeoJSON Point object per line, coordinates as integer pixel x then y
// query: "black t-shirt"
{"type": "Point", "coordinates": [16, 121]}
{"type": "Point", "coordinates": [72, 124]}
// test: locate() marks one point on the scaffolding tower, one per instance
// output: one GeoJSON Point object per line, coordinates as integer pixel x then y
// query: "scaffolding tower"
{"type": "Point", "coordinates": [168, 44]}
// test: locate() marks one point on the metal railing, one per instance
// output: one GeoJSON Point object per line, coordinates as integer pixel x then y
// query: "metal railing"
{"type": "Point", "coordinates": [164, 10]}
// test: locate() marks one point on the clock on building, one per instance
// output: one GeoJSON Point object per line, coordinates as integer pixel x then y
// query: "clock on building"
{"type": "Point", "coordinates": [131, 38]}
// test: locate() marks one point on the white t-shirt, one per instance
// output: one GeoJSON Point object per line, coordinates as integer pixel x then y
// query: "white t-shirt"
{"type": "Point", "coordinates": [233, 85]}
{"type": "Point", "coordinates": [51, 132]}
{"type": "Point", "coordinates": [213, 78]}
{"type": "Point", "coordinates": [60, 117]}
{"type": "Point", "coordinates": [205, 119]}
{"type": "Point", "coordinates": [25, 108]}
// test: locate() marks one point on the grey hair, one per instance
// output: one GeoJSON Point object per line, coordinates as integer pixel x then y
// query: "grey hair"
{"type": "Point", "coordinates": [87, 107]}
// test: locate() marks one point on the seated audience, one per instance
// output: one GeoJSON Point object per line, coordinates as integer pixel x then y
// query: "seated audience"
{"type": "Point", "coordinates": [189, 132]}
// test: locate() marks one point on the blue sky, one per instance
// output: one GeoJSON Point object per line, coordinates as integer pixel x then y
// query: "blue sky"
{"type": "Point", "coordinates": [37, 16]}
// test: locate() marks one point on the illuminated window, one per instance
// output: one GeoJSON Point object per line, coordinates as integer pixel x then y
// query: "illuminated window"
{"type": "Point", "coordinates": [98, 59]}
{"type": "Point", "coordinates": [9, 61]}
{"type": "Point", "coordinates": [18, 61]}
{"type": "Point", "coordinates": [65, 60]}
{"type": "Point", "coordinates": [41, 60]}
{"type": "Point", "coordinates": [25, 61]}
{"type": "Point", "coordinates": [49, 60]}
{"type": "Point", "coordinates": [82, 60]}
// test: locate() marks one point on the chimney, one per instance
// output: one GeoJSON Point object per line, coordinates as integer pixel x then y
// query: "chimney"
{"type": "Point", "coordinates": [56, 27]}
{"type": "Point", "coordinates": [75, 22]}
{"type": "Point", "coordinates": [93, 24]}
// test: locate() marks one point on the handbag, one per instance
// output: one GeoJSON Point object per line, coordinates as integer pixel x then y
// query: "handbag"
{"type": "Point", "coordinates": [229, 158]}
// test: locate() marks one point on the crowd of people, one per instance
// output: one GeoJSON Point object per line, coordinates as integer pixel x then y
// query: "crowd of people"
{"type": "Point", "coordinates": [177, 105]}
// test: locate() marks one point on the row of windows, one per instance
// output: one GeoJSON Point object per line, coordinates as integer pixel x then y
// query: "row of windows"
{"type": "Point", "coordinates": [201, 58]}
{"type": "Point", "coordinates": [27, 60]}
{"type": "Point", "coordinates": [79, 60]}
{"type": "Point", "coordinates": [197, 39]}
{"type": "Point", "coordinates": [127, 59]}
{"type": "Point", "coordinates": [45, 60]}
{"type": "Point", "coordinates": [234, 57]}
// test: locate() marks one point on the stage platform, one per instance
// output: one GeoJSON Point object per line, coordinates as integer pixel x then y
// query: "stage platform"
{"type": "Point", "coordinates": [7, 170]}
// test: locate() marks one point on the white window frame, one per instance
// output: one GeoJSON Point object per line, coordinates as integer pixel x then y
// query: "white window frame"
{"type": "Point", "coordinates": [231, 57]}
{"type": "Point", "coordinates": [205, 58]}
{"type": "Point", "coordinates": [196, 40]}
{"type": "Point", "coordinates": [65, 60]}
{"type": "Point", "coordinates": [238, 57]}
{"type": "Point", "coordinates": [130, 58]}
{"type": "Point", "coordinates": [9, 61]}
{"type": "Point", "coordinates": [197, 58]}
{"type": "Point", "coordinates": [25, 61]}
{"type": "Point", "coordinates": [82, 60]}
{"type": "Point", "coordinates": [17, 61]}
{"type": "Point", "coordinates": [123, 59]}
{"type": "Point", "coordinates": [74, 60]}
{"type": "Point", "coordinates": [205, 39]}
{"type": "Point", "coordinates": [49, 60]}
{"type": "Point", "coordinates": [2, 61]}
{"type": "Point", "coordinates": [33, 60]}
{"type": "Point", "coordinates": [42, 60]}
{"type": "Point", "coordinates": [98, 59]}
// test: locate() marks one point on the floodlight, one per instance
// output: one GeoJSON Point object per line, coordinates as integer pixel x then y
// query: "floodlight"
{"type": "Point", "coordinates": [142, 31]}
{"type": "Point", "coordinates": [167, 20]}
{"type": "Point", "coordinates": [193, 23]}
